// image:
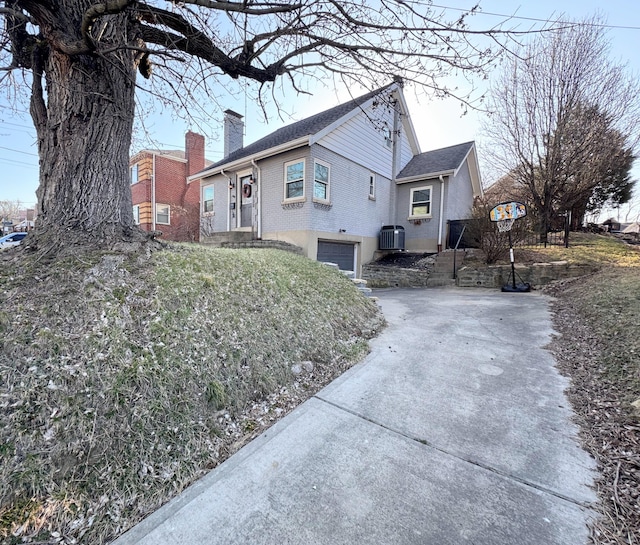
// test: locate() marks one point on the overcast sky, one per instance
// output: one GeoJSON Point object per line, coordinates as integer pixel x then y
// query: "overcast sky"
{"type": "Point", "coordinates": [438, 123]}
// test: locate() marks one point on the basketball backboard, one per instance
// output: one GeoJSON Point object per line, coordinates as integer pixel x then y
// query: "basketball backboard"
{"type": "Point", "coordinates": [508, 211]}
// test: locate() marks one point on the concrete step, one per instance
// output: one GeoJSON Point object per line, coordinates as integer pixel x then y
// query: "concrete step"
{"type": "Point", "coordinates": [216, 239]}
{"type": "Point", "coordinates": [438, 280]}
{"type": "Point", "coordinates": [445, 262]}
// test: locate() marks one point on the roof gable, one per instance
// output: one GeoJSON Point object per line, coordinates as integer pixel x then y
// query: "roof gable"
{"type": "Point", "coordinates": [435, 162]}
{"type": "Point", "coordinates": [312, 128]}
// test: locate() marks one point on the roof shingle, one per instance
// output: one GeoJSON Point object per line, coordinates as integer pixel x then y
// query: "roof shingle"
{"type": "Point", "coordinates": [305, 127]}
{"type": "Point", "coordinates": [440, 160]}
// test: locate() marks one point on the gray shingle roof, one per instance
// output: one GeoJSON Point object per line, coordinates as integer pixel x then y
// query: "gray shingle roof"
{"type": "Point", "coordinates": [306, 127]}
{"type": "Point", "coordinates": [440, 160]}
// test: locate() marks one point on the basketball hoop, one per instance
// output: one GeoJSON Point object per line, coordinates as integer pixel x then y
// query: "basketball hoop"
{"type": "Point", "coordinates": [504, 215]}
{"type": "Point", "coordinates": [505, 226]}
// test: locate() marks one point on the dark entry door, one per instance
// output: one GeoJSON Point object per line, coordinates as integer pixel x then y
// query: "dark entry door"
{"type": "Point", "coordinates": [341, 253]}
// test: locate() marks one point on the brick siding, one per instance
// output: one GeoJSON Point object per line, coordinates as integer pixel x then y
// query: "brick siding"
{"type": "Point", "coordinates": [171, 189]}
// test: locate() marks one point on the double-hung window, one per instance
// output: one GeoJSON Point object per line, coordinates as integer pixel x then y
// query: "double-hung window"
{"type": "Point", "coordinates": [207, 199]}
{"type": "Point", "coordinates": [420, 202]}
{"type": "Point", "coordinates": [133, 173]}
{"type": "Point", "coordinates": [372, 186]}
{"type": "Point", "coordinates": [321, 181]}
{"type": "Point", "coordinates": [163, 214]}
{"type": "Point", "coordinates": [294, 179]}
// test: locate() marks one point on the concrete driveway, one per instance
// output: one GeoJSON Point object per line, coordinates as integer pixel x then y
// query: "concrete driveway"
{"type": "Point", "coordinates": [453, 430]}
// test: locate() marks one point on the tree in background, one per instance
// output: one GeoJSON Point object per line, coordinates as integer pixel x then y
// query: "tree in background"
{"type": "Point", "coordinates": [563, 121]}
{"type": "Point", "coordinates": [82, 57]}
{"type": "Point", "coordinates": [9, 210]}
{"type": "Point", "coordinates": [483, 231]}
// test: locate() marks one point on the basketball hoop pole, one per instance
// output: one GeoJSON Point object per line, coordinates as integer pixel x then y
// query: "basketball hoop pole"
{"type": "Point", "coordinates": [504, 215]}
{"type": "Point", "coordinates": [513, 263]}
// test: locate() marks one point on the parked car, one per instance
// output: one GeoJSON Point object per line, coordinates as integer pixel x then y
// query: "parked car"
{"type": "Point", "coordinates": [12, 239]}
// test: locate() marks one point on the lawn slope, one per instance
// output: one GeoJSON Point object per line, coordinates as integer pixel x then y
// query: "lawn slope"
{"type": "Point", "coordinates": [599, 349]}
{"type": "Point", "coordinates": [126, 377]}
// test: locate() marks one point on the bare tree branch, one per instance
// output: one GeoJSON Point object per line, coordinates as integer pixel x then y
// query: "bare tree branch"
{"type": "Point", "coordinates": [564, 120]}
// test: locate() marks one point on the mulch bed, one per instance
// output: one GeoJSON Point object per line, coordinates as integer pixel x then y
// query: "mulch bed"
{"type": "Point", "coordinates": [407, 260]}
{"type": "Point", "coordinates": [608, 430]}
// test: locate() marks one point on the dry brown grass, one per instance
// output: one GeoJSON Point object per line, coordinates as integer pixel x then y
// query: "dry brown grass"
{"type": "Point", "coordinates": [126, 377]}
{"type": "Point", "coordinates": [599, 318]}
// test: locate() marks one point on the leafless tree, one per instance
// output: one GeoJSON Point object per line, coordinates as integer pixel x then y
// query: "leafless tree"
{"type": "Point", "coordinates": [9, 210]}
{"type": "Point", "coordinates": [80, 59]}
{"type": "Point", "coordinates": [563, 115]}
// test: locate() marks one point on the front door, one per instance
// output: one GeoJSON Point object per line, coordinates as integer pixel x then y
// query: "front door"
{"type": "Point", "coordinates": [246, 201]}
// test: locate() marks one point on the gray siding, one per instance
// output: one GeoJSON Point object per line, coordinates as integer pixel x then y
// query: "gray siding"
{"type": "Point", "coordinates": [217, 221]}
{"type": "Point", "coordinates": [350, 207]}
{"type": "Point", "coordinates": [362, 140]}
{"type": "Point", "coordinates": [275, 217]}
{"type": "Point", "coordinates": [428, 228]}
{"type": "Point", "coordinates": [459, 195]}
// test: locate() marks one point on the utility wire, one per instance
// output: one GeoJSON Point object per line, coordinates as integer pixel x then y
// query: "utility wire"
{"type": "Point", "coordinates": [18, 151]}
{"type": "Point", "coordinates": [537, 19]}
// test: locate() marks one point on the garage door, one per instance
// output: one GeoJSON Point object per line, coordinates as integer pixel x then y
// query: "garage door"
{"type": "Point", "coordinates": [337, 252]}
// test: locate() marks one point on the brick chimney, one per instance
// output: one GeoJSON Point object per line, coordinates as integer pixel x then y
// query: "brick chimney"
{"type": "Point", "coordinates": [194, 152]}
{"type": "Point", "coordinates": [233, 132]}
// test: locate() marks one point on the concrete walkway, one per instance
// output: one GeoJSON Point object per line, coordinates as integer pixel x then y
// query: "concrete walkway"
{"type": "Point", "coordinates": [453, 430]}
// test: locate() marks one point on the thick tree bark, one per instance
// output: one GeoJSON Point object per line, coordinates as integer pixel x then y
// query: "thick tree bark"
{"type": "Point", "coordinates": [84, 124]}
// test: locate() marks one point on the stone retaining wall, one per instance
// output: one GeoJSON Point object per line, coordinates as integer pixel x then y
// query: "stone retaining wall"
{"type": "Point", "coordinates": [380, 276]}
{"type": "Point", "coordinates": [538, 274]}
{"type": "Point", "coordinates": [277, 244]}
{"type": "Point", "coordinates": [488, 276]}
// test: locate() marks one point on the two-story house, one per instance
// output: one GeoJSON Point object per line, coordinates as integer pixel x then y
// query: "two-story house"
{"type": "Point", "coordinates": [331, 182]}
{"type": "Point", "coordinates": [162, 198]}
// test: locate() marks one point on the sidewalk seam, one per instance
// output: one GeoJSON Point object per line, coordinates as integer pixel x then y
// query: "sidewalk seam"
{"type": "Point", "coordinates": [479, 464]}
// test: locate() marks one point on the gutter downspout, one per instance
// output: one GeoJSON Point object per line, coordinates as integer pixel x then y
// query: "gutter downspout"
{"type": "Point", "coordinates": [153, 192]}
{"type": "Point", "coordinates": [259, 195]}
{"type": "Point", "coordinates": [228, 199]}
{"type": "Point", "coordinates": [394, 161]}
{"type": "Point", "coordinates": [441, 219]}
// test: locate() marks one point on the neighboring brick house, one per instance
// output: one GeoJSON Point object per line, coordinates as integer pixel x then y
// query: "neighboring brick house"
{"type": "Point", "coordinates": [331, 182]}
{"type": "Point", "coordinates": [162, 198]}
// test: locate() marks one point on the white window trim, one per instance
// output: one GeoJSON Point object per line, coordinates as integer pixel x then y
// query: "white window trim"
{"type": "Point", "coordinates": [213, 200]}
{"type": "Point", "coordinates": [304, 167]}
{"type": "Point", "coordinates": [133, 168]}
{"type": "Point", "coordinates": [159, 205]}
{"type": "Point", "coordinates": [388, 136]}
{"type": "Point", "coordinates": [421, 188]}
{"type": "Point", "coordinates": [136, 214]}
{"type": "Point", "coordinates": [372, 186]}
{"type": "Point", "coordinates": [328, 197]}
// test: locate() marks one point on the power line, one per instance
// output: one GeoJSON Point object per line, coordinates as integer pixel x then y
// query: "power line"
{"type": "Point", "coordinates": [18, 151]}
{"type": "Point", "coordinates": [536, 19]}
{"type": "Point", "coordinates": [21, 125]}
{"type": "Point", "coordinates": [18, 163]}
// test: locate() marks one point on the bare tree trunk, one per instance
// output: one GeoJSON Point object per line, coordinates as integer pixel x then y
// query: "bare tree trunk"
{"type": "Point", "coordinates": [84, 125]}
